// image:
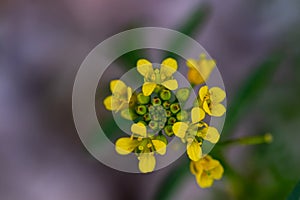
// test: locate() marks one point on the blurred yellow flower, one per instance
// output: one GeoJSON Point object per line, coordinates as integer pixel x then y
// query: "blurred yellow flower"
{"type": "Point", "coordinates": [144, 146]}
{"type": "Point", "coordinates": [193, 133]}
{"type": "Point", "coordinates": [206, 170]}
{"type": "Point", "coordinates": [120, 98]}
{"type": "Point", "coordinates": [162, 76]}
{"type": "Point", "coordinates": [203, 65]}
{"type": "Point", "coordinates": [211, 100]}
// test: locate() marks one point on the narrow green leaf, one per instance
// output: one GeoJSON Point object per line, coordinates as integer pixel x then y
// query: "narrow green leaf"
{"type": "Point", "coordinates": [250, 91]}
{"type": "Point", "coordinates": [295, 195]}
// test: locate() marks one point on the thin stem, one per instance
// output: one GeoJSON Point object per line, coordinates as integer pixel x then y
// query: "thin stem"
{"type": "Point", "coordinates": [251, 140]}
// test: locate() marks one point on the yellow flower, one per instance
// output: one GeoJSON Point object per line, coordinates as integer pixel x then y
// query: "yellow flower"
{"type": "Point", "coordinates": [120, 98]}
{"type": "Point", "coordinates": [204, 66]}
{"type": "Point", "coordinates": [195, 132]}
{"type": "Point", "coordinates": [206, 170]}
{"type": "Point", "coordinates": [143, 145]}
{"type": "Point", "coordinates": [162, 76]}
{"type": "Point", "coordinates": [211, 100]}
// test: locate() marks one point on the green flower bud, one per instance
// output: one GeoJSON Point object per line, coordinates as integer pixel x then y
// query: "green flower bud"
{"type": "Point", "coordinates": [158, 88]}
{"type": "Point", "coordinates": [151, 109]}
{"type": "Point", "coordinates": [155, 117]}
{"type": "Point", "coordinates": [161, 125]}
{"type": "Point", "coordinates": [172, 120]}
{"type": "Point", "coordinates": [182, 115]}
{"type": "Point", "coordinates": [175, 108]}
{"type": "Point", "coordinates": [147, 117]}
{"type": "Point", "coordinates": [183, 94]}
{"type": "Point", "coordinates": [168, 113]}
{"type": "Point", "coordinates": [142, 99]}
{"type": "Point", "coordinates": [128, 114]}
{"type": "Point", "coordinates": [153, 125]}
{"type": "Point", "coordinates": [141, 109]}
{"type": "Point", "coordinates": [166, 104]}
{"type": "Point", "coordinates": [168, 130]}
{"type": "Point", "coordinates": [165, 94]}
{"type": "Point", "coordinates": [162, 138]}
{"type": "Point", "coordinates": [156, 101]}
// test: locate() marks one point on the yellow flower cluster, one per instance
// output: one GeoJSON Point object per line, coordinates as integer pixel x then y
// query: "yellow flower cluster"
{"type": "Point", "coordinates": [159, 116]}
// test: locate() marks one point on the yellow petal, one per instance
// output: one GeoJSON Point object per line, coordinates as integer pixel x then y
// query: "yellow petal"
{"type": "Point", "coordinates": [147, 162]}
{"type": "Point", "coordinates": [170, 84]}
{"type": "Point", "coordinates": [191, 63]}
{"type": "Point", "coordinates": [217, 172]}
{"type": "Point", "coordinates": [117, 86]}
{"type": "Point", "coordinates": [206, 108]}
{"type": "Point", "coordinates": [129, 93]}
{"type": "Point", "coordinates": [212, 135]}
{"type": "Point", "coordinates": [148, 88]}
{"type": "Point", "coordinates": [197, 114]}
{"type": "Point", "coordinates": [204, 181]}
{"type": "Point", "coordinates": [194, 151]}
{"type": "Point", "coordinates": [168, 67]}
{"type": "Point", "coordinates": [144, 67]}
{"type": "Point", "coordinates": [160, 146]}
{"type": "Point", "coordinates": [206, 67]}
{"type": "Point", "coordinates": [217, 110]}
{"type": "Point", "coordinates": [194, 76]}
{"type": "Point", "coordinates": [217, 94]}
{"type": "Point", "coordinates": [139, 129]}
{"type": "Point", "coordinates": [203, 92]}
{"type": "Point", "coordinates": [180, 128]}
{"type": "Point", "coordinates": [111, 103]}
{"type": "Point", "coordinates": [195, 168]}
{"type": "Point", "coordinates": [126, 145]}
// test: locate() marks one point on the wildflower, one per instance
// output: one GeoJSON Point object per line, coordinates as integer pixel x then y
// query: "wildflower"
{"type": "Point", "coordinates": [206, 170]}
{"type": "Point", "coordinates": [156, 77]}
{"type": "Point", "coordinates": [204, 66]}
{"type": "Point", "coordinates": [211, 100]}
{"type": "Point", "coordinates": [120, 98]}
{"type": "Point", "coordinates": [143, 145]}
{"type": "Point", "coordinates": [195, 132]}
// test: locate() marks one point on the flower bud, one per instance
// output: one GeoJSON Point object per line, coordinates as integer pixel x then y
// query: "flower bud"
{"type": "Point", "coordinates": [153, 125]}
{"type": "Point", "coordinates": [168, 113]}
{"type": "Point", "coordinates": [168, 130]}
{"type": "Point", "coordinates": [165, 94]}
{"type": "Point", "coordinates": [141, 109]}
{"type": "Point", "coordinates": [158, 88]}
{"type": "Point", "coordinates": [166, 104]}
{"type": "Point", "coordinates": [156, 101]}
{"type": "Point", "coordinates": [172, 120]}
{"type": "Point", "coordinates": [182, 115]}
{"type": "Point", "coordinates": [161, 125]}
{"type": "Point", "coordinates": [175, 108]}
{"type": "Point", "coordinates": [142, 99]}
{"type": "Point", "coordinates": [183, 94]}
{"type": "Point", "coordinates": [147, 117]}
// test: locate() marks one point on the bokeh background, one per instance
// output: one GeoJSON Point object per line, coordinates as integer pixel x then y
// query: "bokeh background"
{"type": "Point", "coordinates": [42, 44]}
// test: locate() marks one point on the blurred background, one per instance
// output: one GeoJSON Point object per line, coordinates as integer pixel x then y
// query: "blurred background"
{"type": "Point", "coordinates": [42, 44]}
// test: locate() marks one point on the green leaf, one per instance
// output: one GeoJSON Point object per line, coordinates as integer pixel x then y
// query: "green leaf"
{"type": "Point", "coordinates": [295, 195]}
{"type": "Point", "coordinates": [250, 91]}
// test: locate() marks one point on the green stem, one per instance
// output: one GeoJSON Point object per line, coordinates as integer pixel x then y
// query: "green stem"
{"type": "Point", "coordinates": [251, 140]}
